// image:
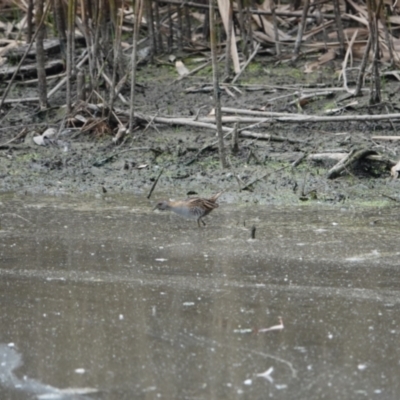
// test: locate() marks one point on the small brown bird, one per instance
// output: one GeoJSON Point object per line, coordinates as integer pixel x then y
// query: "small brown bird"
{"type": "Point", "coordinates": [193, 207]}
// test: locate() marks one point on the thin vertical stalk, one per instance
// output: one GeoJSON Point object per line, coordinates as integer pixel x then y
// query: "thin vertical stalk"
{"type": "Point", "coordinates": [98, 18]}
{"type": "Point", "coordinates": [363, 65]}
{"type": "Point", "coordinates": [86, 14]}
{"type": "Point", "coordinates": [229, 43]}
{"type": "Point", "coordinates": [275, 24]}
{"type": "Point", "coordinates": [242, 26]}
{"type": "Point", "coordinates": [29, 17]}
{"type": "Point", "coordinates": [188, 25]}
{"type": "Point", "coordinates": [217, 90]}
{"type": "Point", "coordinates": [180, 28]}
{"type": "Point", "coordinates": [249, 36]}
{"type": "Point", "coordinates": [374, 12]}
{"type": "Point", "coordinates": [150, 26]}
{"type": "Point", "coordinates": [388, 36]}
{"type": "Point", "coordinates": [40, 56]}
{"type": "Point", "coordinates": [59, 16]}
{"type": "Point", "coordinates": [70, 54]}
{"type": "Point", "coordinates": [158, 28]}
{"type": "Point", "coordinates": [80, 85]}
{"type": "Point", "coordinates": [171, 29]}
{"type": "Point", "coordinates": [302, 26]}
{"type": "Point", "coordinates": [206, 25]}
{"type": "Point", "coordinates": [138, 7]}
{"type": "Point", "coordinates": [339, 26]}
{"type": "Point", "coordinates": [117, 54]}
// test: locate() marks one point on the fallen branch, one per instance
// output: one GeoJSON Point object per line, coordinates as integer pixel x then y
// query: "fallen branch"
{"type": "Point", "coordinates": [286, 117]}
{"type": "Point", "coordinates": [341, 156]}
{"type": "Point", "coordinates": [347, 161]}
{"type": "Point", "coordinates": [394, 138]}
{"type": "Point", "coordinates": [197, 124]}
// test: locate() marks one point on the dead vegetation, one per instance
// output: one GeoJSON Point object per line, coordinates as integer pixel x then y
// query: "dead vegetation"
{"type": "Point", "coordinates": [87, 53]}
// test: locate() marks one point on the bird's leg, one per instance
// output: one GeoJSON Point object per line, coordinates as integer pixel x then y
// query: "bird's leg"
{"type": "Point", "coordinates": [200, 220]}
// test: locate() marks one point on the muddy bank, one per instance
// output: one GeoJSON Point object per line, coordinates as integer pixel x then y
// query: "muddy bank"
{"type": "Point", "coordinates": [91, 163]}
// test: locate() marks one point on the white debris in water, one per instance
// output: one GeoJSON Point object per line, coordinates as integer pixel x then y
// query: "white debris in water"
{"type": "Point", "coordinates": [335, 223]}
{"type": "Point", "coordinates": [321, 230]}
{"type": "Point", "coordinates": [161, 259]}
{"type": "Point", "coordinates": [121, 317]}
{"type": "Point", "coordinates": [267, 375]}
{"type": "Point", "coordinates": [150, 389]}
{"type": "Point", "coordinates": [248, 382]}
{"type": "Point", "coordinates": [361, 367]}
{"type": "Point", "coordinates": [244, 330]}
{"type": "Point", "coordinates": [280, 387]}
{"type": "Point", "coordinates": [373, 254]}
{"type": "Point", "coordinates": [188, 303]}
{"type": "Point", "coordinates": [80, 370]}
{"type": "Point", "coordinates": [11, 344]}
{"type": "Point", "coordinates": [330, 336]}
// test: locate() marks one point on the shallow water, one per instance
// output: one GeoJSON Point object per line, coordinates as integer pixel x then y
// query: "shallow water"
{"type": "Point", "coordinates": [105, 299]}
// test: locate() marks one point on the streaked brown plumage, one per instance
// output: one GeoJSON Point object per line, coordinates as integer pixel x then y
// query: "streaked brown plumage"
{"type": "Point", "coordinates": [193, 207]}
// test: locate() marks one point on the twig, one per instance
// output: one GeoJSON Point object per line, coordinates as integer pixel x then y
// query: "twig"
{"type": "Point", "coordinates": [390, 198]}
{"type": "Point", "coordinates": [105, 160]}
{"type": "Point", "coordinates": [151, 123]}
{"type": "Point", "coordinates": [15, 215]}
{"type": "Point", "coordinates": [19, 136]}
{"type": "Point", "coordinates": [246, 64]}
{"type": "Point", "coordinates": [205, 147]}
{"type": "Point", "coordinates": [263, 176]}
{"type": "Point", "coordinates": [349, 49]}
{"type": "Point", "coordinates": [64, 80]}
{"type": "Point", "coordinates": [360, 79]}
{"type": "Point", "coordinates": [155, 183]}
{"type": "Point", "coordinates": [298, 161]}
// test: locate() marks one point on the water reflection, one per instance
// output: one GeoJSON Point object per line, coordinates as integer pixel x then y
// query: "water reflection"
{"type": "Point", "coordinates": [110, 296]}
